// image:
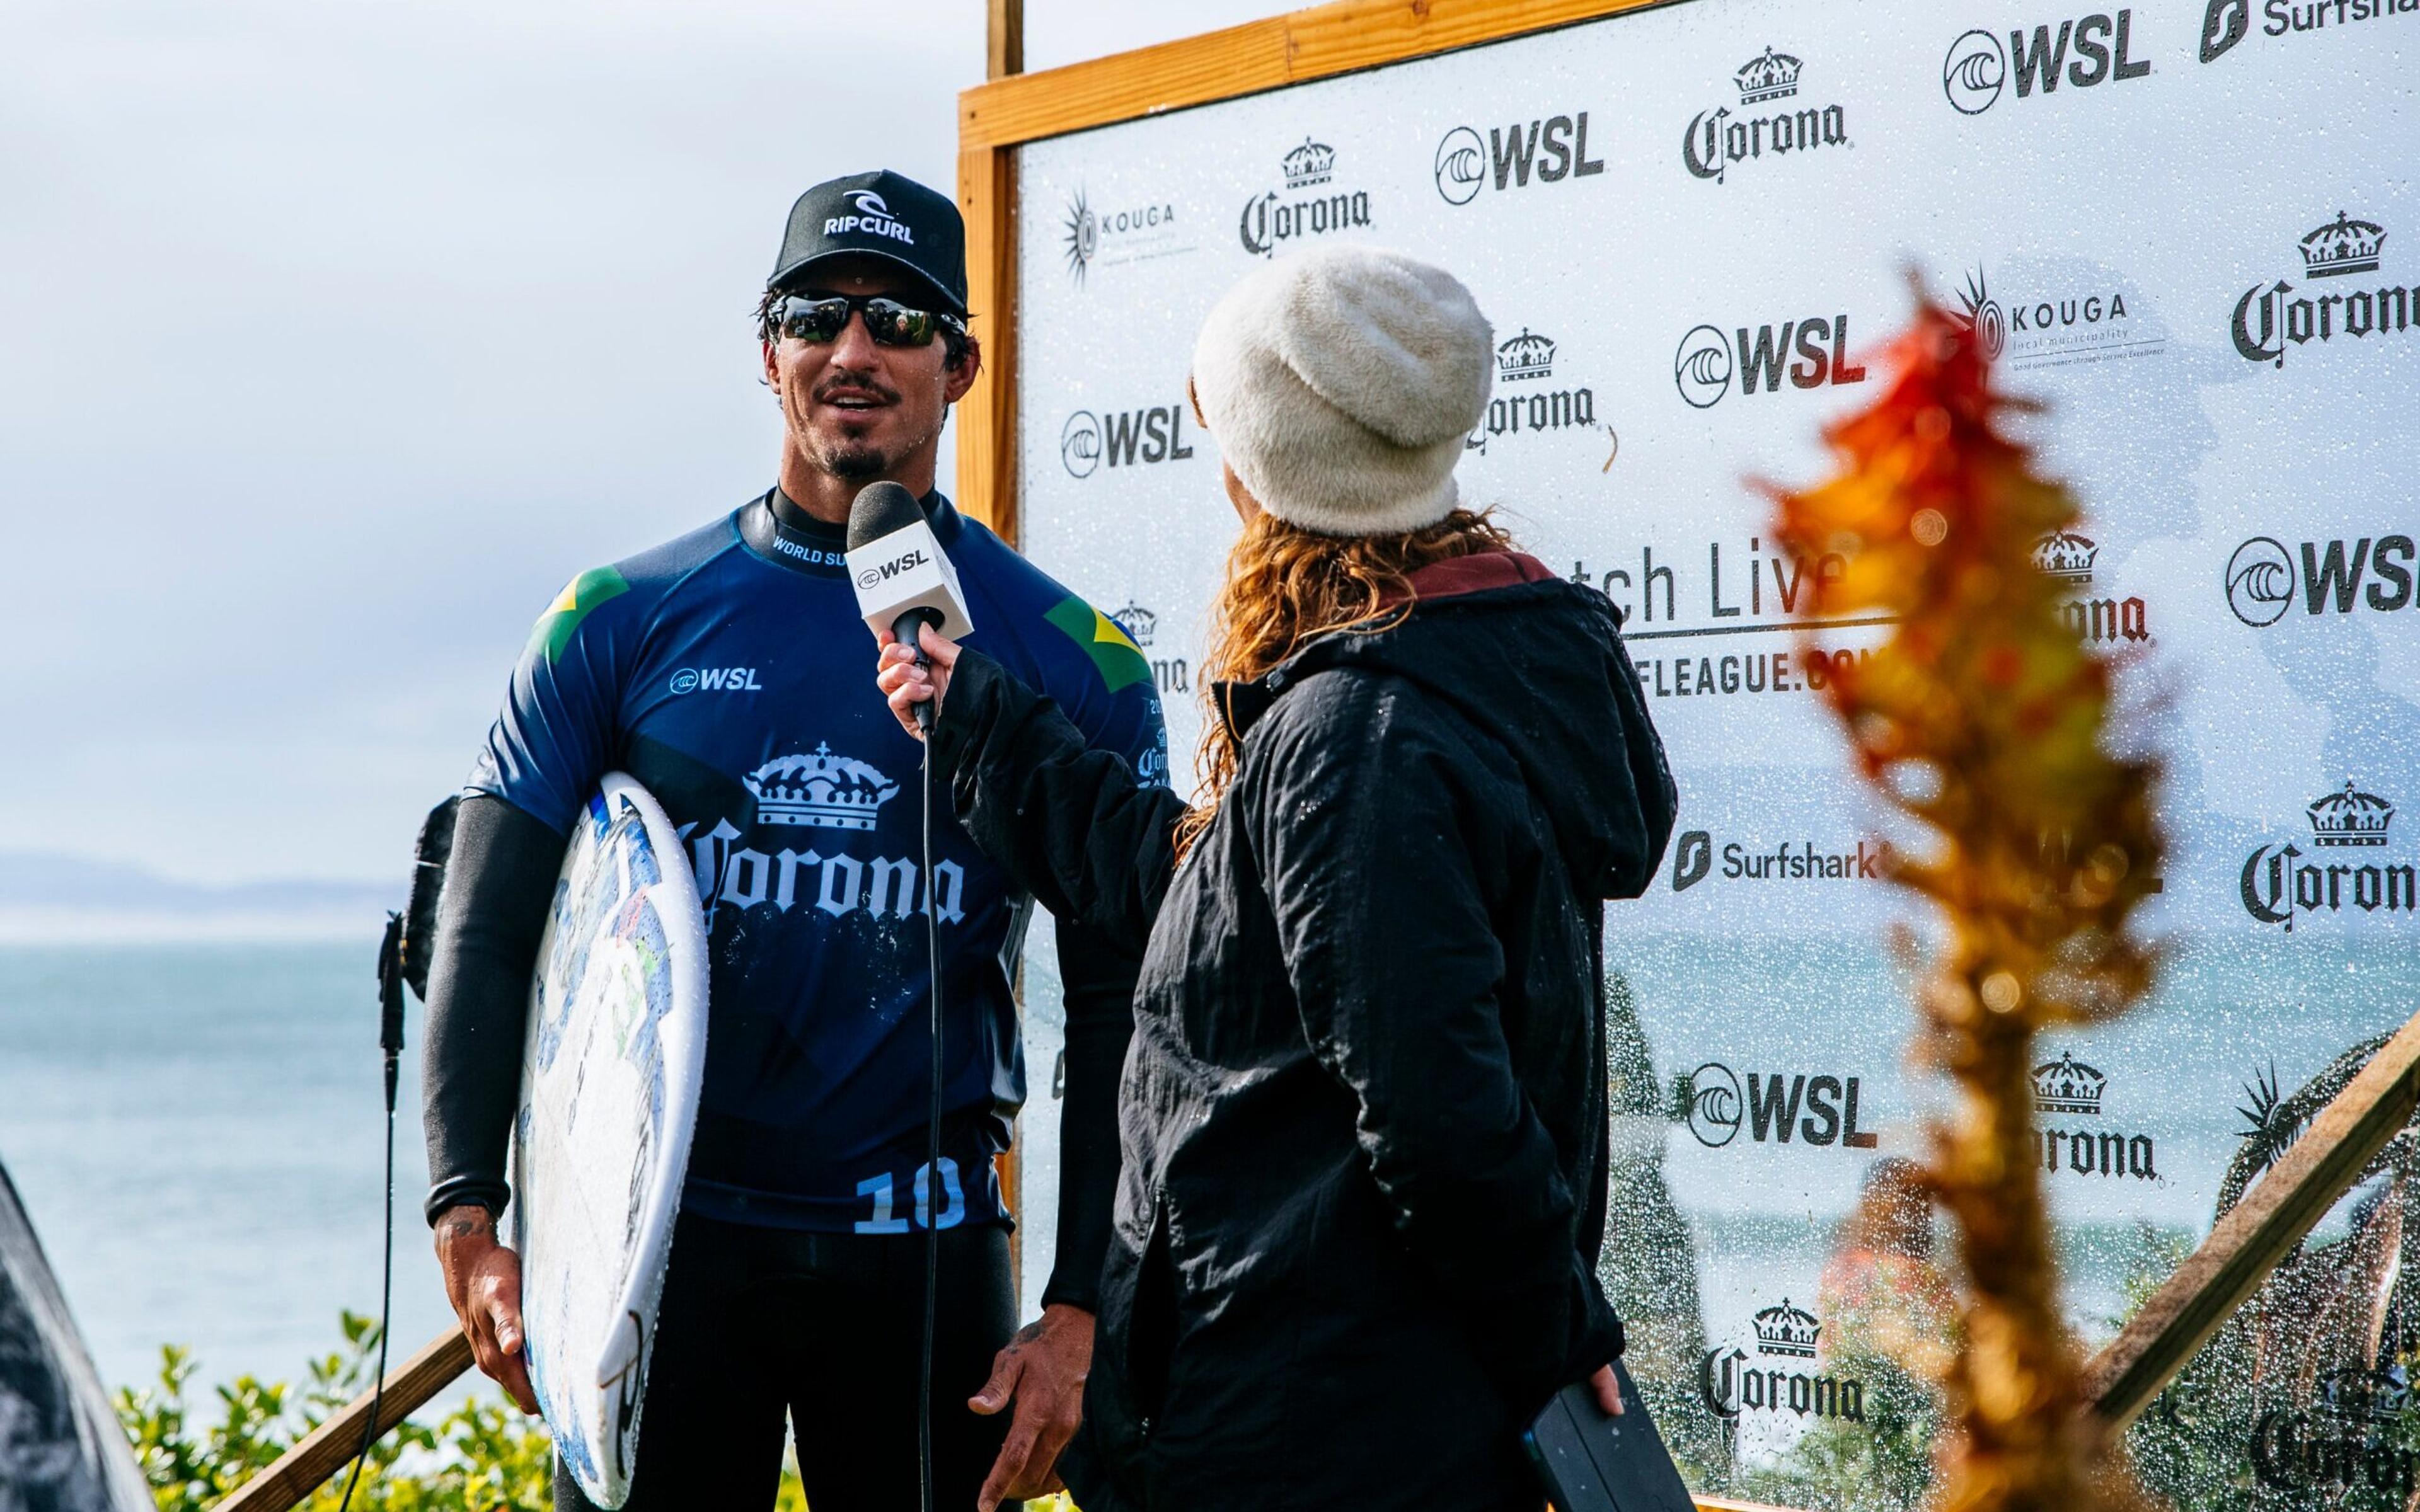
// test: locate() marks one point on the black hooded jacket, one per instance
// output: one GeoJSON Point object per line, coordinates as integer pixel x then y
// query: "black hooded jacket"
{"type": "Point", "coordinates": [1363, 1115]}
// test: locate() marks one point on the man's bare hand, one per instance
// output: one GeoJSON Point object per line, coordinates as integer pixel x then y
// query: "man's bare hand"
{"type": "Point", "coordinates": [1608, 1390]}
{"type": "Point", "coordinates": [482, 1281]}
{"type": "Point", "coordinates": [904, 684]}
{"type": "Point", "coordinates": [1041, 1371]}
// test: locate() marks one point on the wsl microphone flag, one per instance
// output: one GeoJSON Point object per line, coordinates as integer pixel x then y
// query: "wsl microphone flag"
{"type": "Point", "coordinates": [897, 566]}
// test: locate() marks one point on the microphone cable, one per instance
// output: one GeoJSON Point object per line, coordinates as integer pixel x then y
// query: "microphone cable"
{"type": "Point", "coordinates": [930, 1192]}
{"type": "Point", "coordinates": [391, 1044]}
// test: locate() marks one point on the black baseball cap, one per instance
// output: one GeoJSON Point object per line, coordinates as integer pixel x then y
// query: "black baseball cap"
{"type": "Point", "coordinates": [883, 215]}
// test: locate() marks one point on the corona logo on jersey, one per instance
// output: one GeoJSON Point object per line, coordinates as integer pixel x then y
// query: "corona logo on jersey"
{"type": "Point", "coordinates": [823, 789]}
{"type": "Point", "coordinates": [1718, 139]}
{"type": "Point", "coordinates": [2270, 316]}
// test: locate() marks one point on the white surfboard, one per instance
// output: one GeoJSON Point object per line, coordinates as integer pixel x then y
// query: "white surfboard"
{"type": "Point", "coordinates": [611, 1073]}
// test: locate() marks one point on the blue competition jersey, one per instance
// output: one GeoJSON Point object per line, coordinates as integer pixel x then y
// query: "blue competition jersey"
{"type": "Point", "coordinates": [729, 673]}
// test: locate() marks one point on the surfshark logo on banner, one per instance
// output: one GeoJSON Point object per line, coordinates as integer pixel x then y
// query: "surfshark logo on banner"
{"type": "Point", "coordinates": [1309, 205]}
{"type": "Point", "coordinates": [2266, 317]}
{"type": "Point", "coordinates": [2346, 869]}
{"type": "Point", "coordinates": [2227, 22]}
{"type": "Point", "coordinates": [1716, 139]}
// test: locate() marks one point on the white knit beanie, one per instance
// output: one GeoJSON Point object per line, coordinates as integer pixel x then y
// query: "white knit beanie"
{"type": "Point", "coordinates": [1340, 385]}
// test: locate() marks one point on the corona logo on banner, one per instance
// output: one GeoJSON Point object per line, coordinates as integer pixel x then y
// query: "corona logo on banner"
{"type": "Point", "coordinates": [2264, 581]}
{"type": "Point", "coordinates": [2227, 22]}
{"type": "Point", "coordinates": [1703, 368]}
{"type": "Point", "coordinates": [1525, 402]}
{"type": "Point", "coordinates": [2348, 1434]}
{"type": "Point", "coordinates": [2269, 316]}
{"type": "Point", "coordinates": [1309, 205]}
{"type": "Point", "coordinates": [1174, 675]}
{"type": "Point", "coordinates": [1781, 1376]}
{"type": "Point", "coordinates": [2079, 53]}
{"type": "Point", "coordinates": [2076, 320]}
{"type": "Point", "coordinates": [2344, 875]}
{"type": "Point", "coordinates": [1552, 151]}
{"type": "Point", "coordinates": [1715, 139]}
{"type": "Point", "coordinates": [2068, 1088]}
{"type": "Point", "coordinates": [1124, 437]}
{"type": "Point", "coordinates": [2068, 558]}
{"type": "Point", "coordinates": [1098, 239]}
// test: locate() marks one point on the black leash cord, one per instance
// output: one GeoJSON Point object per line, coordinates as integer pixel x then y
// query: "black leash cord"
{"type": "Point", "coordinates": [386, 1300]}
{"type": "Point", "coordinates": [932, 1193]}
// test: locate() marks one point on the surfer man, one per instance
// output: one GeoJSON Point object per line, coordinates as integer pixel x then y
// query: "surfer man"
{"type": "Point", "coordinates": [725, 671]}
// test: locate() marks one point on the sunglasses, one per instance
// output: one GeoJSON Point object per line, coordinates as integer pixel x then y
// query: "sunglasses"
{"type": "Point", "coordinates": [822, 318]}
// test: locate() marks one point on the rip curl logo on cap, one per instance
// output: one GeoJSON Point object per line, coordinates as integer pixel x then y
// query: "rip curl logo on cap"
{"type": "Point", "coordinates": [873, 218]}
{"type": "Point", "coordinates": [869, 203]}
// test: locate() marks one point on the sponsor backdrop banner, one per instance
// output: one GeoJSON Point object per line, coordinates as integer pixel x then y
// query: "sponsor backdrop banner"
{"type": "Point", "coordinates": [2191, 229]}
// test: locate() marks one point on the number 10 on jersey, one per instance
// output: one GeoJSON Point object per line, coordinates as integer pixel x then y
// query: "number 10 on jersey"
{"type": "Point", "coordinates": [881, 1188]}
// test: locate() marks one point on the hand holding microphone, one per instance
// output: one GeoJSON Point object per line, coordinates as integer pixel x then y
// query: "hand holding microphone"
{"type": "Point", "coordinates": [914, 678]}
{"type": "Point", "coordinates": [904, 584]}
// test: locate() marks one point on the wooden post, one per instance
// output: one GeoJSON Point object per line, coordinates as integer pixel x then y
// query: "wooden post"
{"type": "Point", "coordinates": [987, 199]}
{"type": "Point", "coordinates": [1004, 39]}
{"type": "Point", "coordinates": [330, 1447]}
{"type": "Point", "coordinates": [2257, 1233]}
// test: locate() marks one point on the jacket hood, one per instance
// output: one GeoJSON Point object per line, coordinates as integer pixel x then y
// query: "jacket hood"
{"type": "Point", "coordinates": [1538, 664]}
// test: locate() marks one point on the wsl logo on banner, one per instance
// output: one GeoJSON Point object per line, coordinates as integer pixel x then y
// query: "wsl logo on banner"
{"type": "Point", "coordinates": [1718, 138]}
{"type": "Point", "coordinates": [2229, 21]}
{"type": "Point", "coordinates": [1123, 438]}
{"type": "Point", "coordinates": [1782, 1377]}
{"type": "Point", "coordinates": [1703, 367]}
{"type": "Point", "coordinates": [1526, 400]}
{"type": "Point", "coordinates": [2069, 1089]}
{"type": "Point", "coordinates": [1107, 238]}
{"type": "Point", "coordinates": [2347, 874]}
{"type": "Point", "coordinates": [2079, 321]}
{"type": "Point", "coordinates": [2082, 55]}
{"type": "Point", "coordinates": [2264, 581]}
{"type": "Point", "coordinates": [2265, 318]}
{"type": "Point", "coordinates": [1820, 1111]}
{"type": "Point", "coordinates": [1309, 206]}
{"type": "Point", "coordinates": [1551, 151]}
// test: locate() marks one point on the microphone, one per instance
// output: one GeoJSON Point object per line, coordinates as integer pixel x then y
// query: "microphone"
{"type": "Point", "coordinates": [902, 576]}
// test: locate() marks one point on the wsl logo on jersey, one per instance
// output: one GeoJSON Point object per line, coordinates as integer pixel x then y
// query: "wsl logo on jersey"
{"type": "Point", "coordinates": [1703, 367]}
{"type": "Point", "coordinates": [1717, 139]}
{"type": "Point", "coordinates": [1108, 238]}
{"type": "Point", "coordinates": [1309, 205]}
{"type": "Point", "coordinates": [2227, 22]}
{"type": "Point", "coordinates": [822, 790]}
{"type": "Point", "coordinates": [1551, 150]}
{"type": "Point", "coordinates": [873, 218]}
{"type": "Point", "coordinates": [1781, 1376]}
{"type": "Point", "coordinates": [2055, 324]}
{"type": "Point", "coordinates": [2347, 874]}
{"type": "Point", "coordinates": [2068, 1088]}
{"type": "Point", "coordinates": [1527, 401]}
{"type": "Point", "coordinates": [2081, 53]}
{"type": "Point", "coordinates": [2270, 316]}
{"type": "Point", "coordinates": [2264, 581]}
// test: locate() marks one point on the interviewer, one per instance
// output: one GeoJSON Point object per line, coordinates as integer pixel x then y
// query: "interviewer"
{"type": "Point", "coordinates": [1363, 1115]}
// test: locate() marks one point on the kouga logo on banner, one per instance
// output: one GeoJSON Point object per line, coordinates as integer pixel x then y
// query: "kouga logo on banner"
{"type": "Point", "coordinates": [1525, 400]}
{"type": "Point", "coordinates": [1820, 1111]}
{"type": "Point", "coordinates": [2069, 1089]}
{"type": "Point", "coordinates": [2083, 55]}
{"type": "Point", "coordinates": [1555, 150]}
{"type": "Point", "coordinates": [2229, 21]}
{"type": "Point", "coordinates": [1309, 205]}
{"type": "Point", "coordinates": [2350, 831]}
{"type": "Point", "coordinates": [2264, 581]}
{"type": "Point", "coordinates": [1107, 238]}
{"type": "Point", "coordinates": [1733, 1382]}
{"type": "Point", "coordinates": [1123, 439]}
{"type": "Point", "coordinates": [1718, 138]}
{"type": "Point", "coordinates": [2078, 321]}
{"type": "Point", "coordinates": [1703, 367]}
{"type": "Point", "coordinates": [2266, 317]}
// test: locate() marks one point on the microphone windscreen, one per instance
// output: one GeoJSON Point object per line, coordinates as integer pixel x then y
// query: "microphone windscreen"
{"type": "Point", "coordinates": [879, 509]}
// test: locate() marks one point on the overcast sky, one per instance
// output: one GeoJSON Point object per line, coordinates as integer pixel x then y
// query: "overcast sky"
{"type": "Point", "coordinates": [339, 334]}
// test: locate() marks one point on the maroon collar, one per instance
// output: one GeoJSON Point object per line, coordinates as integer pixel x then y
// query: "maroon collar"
{"type": "Point", "coordinates": [1474, 574]}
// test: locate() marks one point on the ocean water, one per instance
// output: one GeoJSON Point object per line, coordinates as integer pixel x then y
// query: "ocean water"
{"type": "Point", "coordinates": [196, 1131]}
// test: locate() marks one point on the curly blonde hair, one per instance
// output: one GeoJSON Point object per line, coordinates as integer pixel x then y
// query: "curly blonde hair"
{"type": "Point", "coordinates": [1286, 586]}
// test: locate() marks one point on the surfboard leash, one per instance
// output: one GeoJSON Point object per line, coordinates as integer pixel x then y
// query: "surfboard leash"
{"type": "Point", "coordinates": [390, 1045]}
